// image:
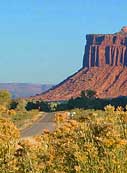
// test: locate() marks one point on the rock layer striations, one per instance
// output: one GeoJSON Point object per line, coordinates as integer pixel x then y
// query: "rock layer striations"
{"type": "Point", "coordinates": [104, 69]}
{"type": "Point", "coordinates": [104, 49]}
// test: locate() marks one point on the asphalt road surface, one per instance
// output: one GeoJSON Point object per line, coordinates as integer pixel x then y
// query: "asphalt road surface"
{"type": "Point", "coordinates": [46, 122]}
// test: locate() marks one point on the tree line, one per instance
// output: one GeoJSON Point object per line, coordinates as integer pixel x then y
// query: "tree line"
{"type": "Point", "coordinates": [86, 100]}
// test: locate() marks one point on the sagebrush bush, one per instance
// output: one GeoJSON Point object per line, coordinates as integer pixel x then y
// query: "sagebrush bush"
{"type": "Point", "coordinates": [91, 141]}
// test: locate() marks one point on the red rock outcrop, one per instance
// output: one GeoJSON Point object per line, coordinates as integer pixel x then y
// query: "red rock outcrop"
{"type": "Point", "coordinates": [104, 49]}
{"type": "Point", "coordinates": [104, 69]}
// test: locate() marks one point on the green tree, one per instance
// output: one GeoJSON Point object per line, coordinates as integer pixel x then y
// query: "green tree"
{"type": "Point", "coordinates": [44, 106]}
{"type": "Point", "coordinates": [5, 98]}
{"type": "Point", "coordinates": [71, 103]}
{"type": "Point", "coordinates": [21, 105]}
{"type": "Point", "coordinates": [53, 106]}
{"type": "Point", "coordinates": [90, 93]}
{"type": "Point", "coordinates": [83, 94]}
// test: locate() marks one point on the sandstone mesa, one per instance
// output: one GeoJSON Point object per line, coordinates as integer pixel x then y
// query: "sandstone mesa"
{"type": "Point", "coordinates": [104, 69]}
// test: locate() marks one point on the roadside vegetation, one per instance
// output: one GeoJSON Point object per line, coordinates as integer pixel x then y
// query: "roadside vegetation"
{"type": "Point", "coordinates": [15, 110]}
{"type": "Point", "coordinates": [86, 141]}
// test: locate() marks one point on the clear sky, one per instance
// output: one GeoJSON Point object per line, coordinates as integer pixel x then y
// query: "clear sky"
{"type": "Point", "coordinates": [42, 41]}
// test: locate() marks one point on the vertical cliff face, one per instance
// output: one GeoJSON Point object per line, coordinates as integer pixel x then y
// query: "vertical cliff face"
{"type": "Point", "coordinates": [102, 49]}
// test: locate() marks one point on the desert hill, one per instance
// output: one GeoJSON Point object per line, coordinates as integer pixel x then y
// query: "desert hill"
{"type": "Point", "coordinates": [24, 89]}
{"type": "Point", "coordinates": [104, 69]}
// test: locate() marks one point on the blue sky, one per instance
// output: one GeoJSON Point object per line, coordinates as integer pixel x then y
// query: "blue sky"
{"type": "Point", "coordinates": [42, 41]}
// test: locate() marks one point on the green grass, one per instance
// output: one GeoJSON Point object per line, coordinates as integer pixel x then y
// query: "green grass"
{"type": "Point", "coordinates": [24, 118]}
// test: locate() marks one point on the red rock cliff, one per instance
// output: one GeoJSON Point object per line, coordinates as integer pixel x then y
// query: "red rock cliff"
{"type": "Point", "coordinates": [102, 49]}
{"type": "Point", "coordinates": [104, 69]}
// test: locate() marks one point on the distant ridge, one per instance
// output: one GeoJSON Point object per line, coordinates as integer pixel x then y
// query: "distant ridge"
{"type": "Point", "coordinates": [25, 89]}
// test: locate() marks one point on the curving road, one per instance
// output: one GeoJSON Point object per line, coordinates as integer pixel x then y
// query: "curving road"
{"type": "Point", "coordinates": [46, 122]}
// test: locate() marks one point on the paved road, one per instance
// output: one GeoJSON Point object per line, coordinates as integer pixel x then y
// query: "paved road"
{"type": "Point", "coordinates": [47, 122]}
